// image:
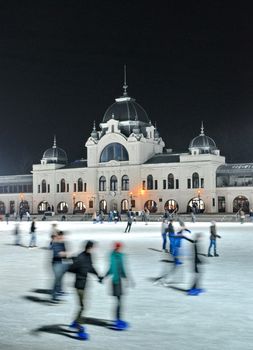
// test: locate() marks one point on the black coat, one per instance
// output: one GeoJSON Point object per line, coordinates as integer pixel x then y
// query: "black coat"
{"type": "Point", "coordinates": [81, 266]}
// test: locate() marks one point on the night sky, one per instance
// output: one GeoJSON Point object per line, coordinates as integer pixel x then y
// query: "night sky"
{"type": "Point", "coordinates": [61, 66]}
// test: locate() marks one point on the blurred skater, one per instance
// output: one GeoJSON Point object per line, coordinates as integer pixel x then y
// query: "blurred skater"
{"type": "Point", "coordinates": [117, 272]}
{"type": "Point", "coordinates": [129, 222]}
{"type": "Point", "coordinates": [213, 236]}
{"type": "Point", "coordinates": [195, 288]}
{"type": "Point", "coordinates": [81, 266]}
{"type": "Point", "coordinates": [58, 265]}
{"type": "Point", "coordinates": [33, 240]}
{"type": "Point", "coordinates": [17, 234]}
{"type": "Point", "coordinates": [164, 232]}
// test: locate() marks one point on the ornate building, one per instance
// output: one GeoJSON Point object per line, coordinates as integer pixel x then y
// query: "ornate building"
{"type": "Point", "coordinates": [128, 167]}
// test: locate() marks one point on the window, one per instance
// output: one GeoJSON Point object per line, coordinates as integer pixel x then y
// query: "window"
{"type": "Point", "coordinates": [103, 206]}
{"type": "Point", "coordinates": [48, 188]}
{"type": "Point", "coordinates": [170, 181]}
{"type": "Point", "coordinates": [177, 184]}
{"type": "Point", "coordinates": [102, 183]}
{"type": "Point", "coordinates": [125, 183]}
{"type": "Point", "coordinates": [67, 187]}
{"type": "Point", "coordinates": [79, 208]}
{"type": "Point", "coordinates": [164, 184]}
{"type": "Point", "coordinates": [63, 185]}
{"type": "Point", "coordinates": [74, 187]}
{"type": "Point", "coordinates": [90, 204]}
{"type": "Point", "coordinates": [202, 182]}
{"type": "Point", "coordinates": [43, 186]}
{"type": "Point", "coordinates": [124, 206]}
{"type": "Point", "coordinates": [213, 202]}
{"type": "Point", "coordinates": [156, 185]}
{"type": "Point", "coordinates": [188, 183]}
{"type": "Point", "coordinates": [85, 187]}
{"type": "Point", "coordinates": [143, 184]}
{"type": "Point", "coordinates": [113, 183]}
{"type": "Point", "coordinates": [151, 206]}
{"type": "Point", "coordinates": [80, 185]}
{"type": "Point", "coordinates": [150, 182]}
{"type": "Point", "coordinates": [62, 208]}
{"type": "Point", "coordinates": [195, 180]}
{"type": "Point", "coordinates": [12, 207]}
{"type": "Point", "coordinates": [114, 151]}
{"type": "Point", "coordinates": [58, 188]}
{"type": "Point", "coordinates": [38, 188]}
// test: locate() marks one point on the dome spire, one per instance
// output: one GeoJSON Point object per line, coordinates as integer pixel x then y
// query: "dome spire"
{"type": "Point", "coordinates": [202, 129]}
{"type": "Point", "coordinates": [54, 145]}
{"type": "Point", "coordinates": [125, 82]}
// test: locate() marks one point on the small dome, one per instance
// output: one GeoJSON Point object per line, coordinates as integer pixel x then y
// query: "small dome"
{"type": "Point", "coordinates": [126, 109]}
{"type": "Point", "coordinates": [54, 155]}
{"type": "Point", "coordinates": [203, 143]}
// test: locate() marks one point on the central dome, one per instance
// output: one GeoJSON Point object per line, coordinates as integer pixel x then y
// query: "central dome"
{"type": "Point", "coordinates": [54, 154]}
{"type": "Point", "coordinates": [126, 109]}
{"type": "Point", "coordinates": [203, 143]}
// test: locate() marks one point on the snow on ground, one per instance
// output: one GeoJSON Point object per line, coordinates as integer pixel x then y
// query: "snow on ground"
{"type": "Point", "coordinates": [160, 317]}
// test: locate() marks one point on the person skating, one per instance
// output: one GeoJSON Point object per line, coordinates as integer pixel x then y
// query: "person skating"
{"type": "Point", "coordinates": [129, 222]}
{"type": "Point", "coordinates": [59, 268]}
{"type": "Point", "coordinates": [195, 288]}
{"type": "Point", "coordinates": [81, 266]}
{"type": "Point", "coordinates": [33, 242]}
{"type": "Point", "coordinates": [213, 236]}
{"type": "Point", "coordinates": [117, 272]}
{"type": "Point", "coordinates": [171, 234]}
{"type": "Point", "coordinates": [164, 232]}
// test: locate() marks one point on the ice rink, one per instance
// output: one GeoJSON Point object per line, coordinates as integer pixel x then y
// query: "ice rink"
{"type": "Point", "coordinates": [161, 317]}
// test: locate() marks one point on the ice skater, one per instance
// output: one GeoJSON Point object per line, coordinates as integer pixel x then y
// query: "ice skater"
{"type": "Point", "coordinates": [129, 222]}
{"type": "Point", "coordinates": [58, 265]}
{"type": "Point", "coordinates": [33, 240]}
{"type": "Point", "coordinates": [17, 235]}
{"type": "Point", "coordinates": [81, 266]}
{"type": "Point", "coordinates": [117, 272]}
{"type": "Point", "coordinates": [164, 232]}
{"type": "Point", "coordinates": [213, 236]}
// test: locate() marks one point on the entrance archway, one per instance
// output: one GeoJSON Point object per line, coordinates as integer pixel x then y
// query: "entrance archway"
{"type": "Point", "coordinates": [151, 206]}
{"type": "Point", "coordinates": [197, 205]}
{"type": "Point", "coordinates": [171, 205]}
{"type": "Point", "coordinates": [241, 202]}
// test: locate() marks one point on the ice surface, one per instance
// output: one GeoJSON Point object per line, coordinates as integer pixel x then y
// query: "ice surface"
{"type": "Point", "coordinates": [160, 317]}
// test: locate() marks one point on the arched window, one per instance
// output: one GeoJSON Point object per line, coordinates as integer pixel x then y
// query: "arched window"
{"type": "Point", "coordinates": [114, 151]}
{"type": "Point", "coordinates": [241, 202]}
{"type": "Point", "coordinates": [103, 206]}
{"type": "Point", "coordinates": [151, 206]}
{"type": "Point", "coordinates": [42, 207]}
{"type": "Point", "coordinates": [80, 185]}
{"type": "Point", "coordinates": [113, 183]}
{"type": "Point", "coordinates": [63, 185]}
{"type": "Point", "coordinates": [124, 206]}
{"type": "Point", "coordinates": [62, 208]}
{"type": "Point", "coordinates": [171, 205]}
{"type": "Point", "coordinates": [80, 208]}
{"type": "Point", "coordinates": [195, 180]}
{"type": "Point", "coordinates": [102, 183]}
{"type": "Point", "coordinates": [125, 183]}
{"type": "Point", "coordinates": [150, 182]}
{"type": "Point", "coordinates": [170, 181]}
{"type": "Point", "coordinates": [2, 208]}
{"type": "Point", "coordinates": [196, 205]}
{"type": "Point", "coordinates": [43, 186]}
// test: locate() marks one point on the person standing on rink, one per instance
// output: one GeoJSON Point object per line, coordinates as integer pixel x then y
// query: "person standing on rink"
{"type": "Point", "coordinates": [129, 222]}
{"type": "Point", "coordinates": [33, 242]}
{"type": "Point", "coordinates": [213, 236]}
{"type": "Point", "coordinates": [117, 271]}
{"type": "Point", "coordinates": [164, 232]}
{"type": "Point", "coordinates": [81, 266]}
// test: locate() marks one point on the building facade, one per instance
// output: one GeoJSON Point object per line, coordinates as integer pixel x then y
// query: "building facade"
{"type": "Point", "coordinates": [129, 167]}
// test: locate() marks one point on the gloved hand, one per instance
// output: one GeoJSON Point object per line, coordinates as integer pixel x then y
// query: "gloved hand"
{"type": "Point", "coordinates": [100, 279]}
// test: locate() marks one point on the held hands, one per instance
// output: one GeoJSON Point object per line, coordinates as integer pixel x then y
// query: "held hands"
{"type": "Point", "coordinates": [100, 279]}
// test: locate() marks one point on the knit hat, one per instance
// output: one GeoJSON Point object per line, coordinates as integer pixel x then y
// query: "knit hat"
{"type": "Point", "coordinates": [117, 245]}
